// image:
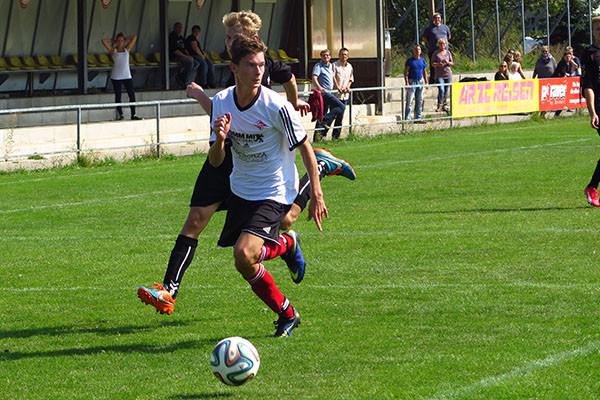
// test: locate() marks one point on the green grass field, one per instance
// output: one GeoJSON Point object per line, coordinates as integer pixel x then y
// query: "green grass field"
{"type": "Point", "coordinates": [461, 264]}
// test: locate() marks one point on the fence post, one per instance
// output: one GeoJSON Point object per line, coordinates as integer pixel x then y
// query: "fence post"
{"type": "Point", "coordinates": [451, 117]}
{"type": "Point", "coordinates": [158, 130]}
{"type": "Point", "coordinates": [402, 107]}
{"type": "Point", "coordinates": [78, 131]}
{"type": "Point", "coordinates": [350, 108]}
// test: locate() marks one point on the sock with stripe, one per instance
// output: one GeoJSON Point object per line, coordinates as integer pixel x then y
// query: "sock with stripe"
{"type": "Point", "coordinates": [304, 186]}
{"type": "Point", "coordinates": [270, 250]}
{"type": "Point", "coordinates": [263, 285]}
{"type": "Point", "coordinates": [181, 258]}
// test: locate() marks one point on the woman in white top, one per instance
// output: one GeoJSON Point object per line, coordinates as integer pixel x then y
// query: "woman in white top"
{"type": "Point", "coordinates": [121, 74]}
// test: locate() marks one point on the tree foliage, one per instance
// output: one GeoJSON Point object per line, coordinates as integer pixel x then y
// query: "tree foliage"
{"type": "Point", "coordinates": [401, 16]}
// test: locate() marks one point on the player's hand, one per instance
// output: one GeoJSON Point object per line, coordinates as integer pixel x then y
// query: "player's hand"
{"type": "Point", "coordinates": [317, 210]}
{"type": "Point", "coordinates": [594, 121]}
{"type": "Point", "coordinates": [303, 107]}
{"type": "Point", "coordinates": [192, 89]}
{"type": "Point", "coordinates": [222, 125]}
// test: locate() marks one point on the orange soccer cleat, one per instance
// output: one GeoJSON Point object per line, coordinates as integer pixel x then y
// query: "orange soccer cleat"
{"type": "Point", "coordinates": [157, 297]}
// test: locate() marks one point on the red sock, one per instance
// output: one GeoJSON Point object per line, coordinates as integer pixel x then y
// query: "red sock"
{"type": "Point", "coordinates": [270, 250]}
{"type": "Point", "coordinates": [263, 285]}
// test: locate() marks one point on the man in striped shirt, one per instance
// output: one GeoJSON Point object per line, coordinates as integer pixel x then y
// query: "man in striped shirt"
{"type": "Point", "coordinates": [264, 132]}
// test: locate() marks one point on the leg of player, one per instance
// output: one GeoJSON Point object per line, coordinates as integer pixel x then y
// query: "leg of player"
{"type": "Point", "coordinates": [591, 191]}
{"type": "Point", "coordinates": [247, 252]}
{"type": "Point", "coordinates": [329, 165]}
{"type": "Point", "coordinates": [162, 297]}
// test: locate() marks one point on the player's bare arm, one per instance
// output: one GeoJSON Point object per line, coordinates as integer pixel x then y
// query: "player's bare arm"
{"type": "Point", "coordinates": [216, 153]}
{"type": "Point", "coordinates": [195, 91]}
{"type": "Point", "coordinates": [291, 91]}
{"type": "Point", "coordinates": [317, 208]}
{"type": "Point", "coordinates": [590, 97]}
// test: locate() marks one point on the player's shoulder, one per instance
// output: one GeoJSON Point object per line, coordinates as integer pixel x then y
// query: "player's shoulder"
{"type": "Point", "coordinates": [272, 99]}
{"type": "Point", "coordinates": [223, 94]}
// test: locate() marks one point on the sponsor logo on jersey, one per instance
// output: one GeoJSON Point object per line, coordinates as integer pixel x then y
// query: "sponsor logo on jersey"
{"type": "Point", "coordinates": [260, 125]}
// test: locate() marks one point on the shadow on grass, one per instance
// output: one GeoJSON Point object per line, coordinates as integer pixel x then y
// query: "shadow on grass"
{"type": "Point", "coordinates": [7, 355]}
{"type": "Point", "coordinates": [98, 329]}
{"type": "Point", "coordinates": [202, 396]}
{"type": "Point", "coordinates": [499, 210]}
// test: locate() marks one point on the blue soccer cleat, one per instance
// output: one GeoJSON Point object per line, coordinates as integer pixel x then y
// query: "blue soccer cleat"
{"type": "Point", "coordinates": [334, 165]}
{"type": "Point", "coordinates": [294, 258]}
{"type": "Point", "coordinates": [285, 326]}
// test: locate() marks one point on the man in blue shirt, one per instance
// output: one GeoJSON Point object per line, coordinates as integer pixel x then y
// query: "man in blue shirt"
{"type": "Point", "coordinates": [431, 35]}
{"type": "Point", "coordinates": [333, 108]}
{"type": "Point", "coordinates": [415, 72]}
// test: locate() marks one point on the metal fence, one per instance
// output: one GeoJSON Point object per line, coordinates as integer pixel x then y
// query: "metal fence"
{"type": "Point", "coordinates": [78, 140]}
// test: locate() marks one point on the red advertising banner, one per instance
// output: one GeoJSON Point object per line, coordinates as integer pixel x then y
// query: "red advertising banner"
{"type": "Point", "coordinates": [560, 93]}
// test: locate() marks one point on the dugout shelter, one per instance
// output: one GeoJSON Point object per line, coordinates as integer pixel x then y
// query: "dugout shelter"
{"type": "Point", "coordinates": [54, 46]}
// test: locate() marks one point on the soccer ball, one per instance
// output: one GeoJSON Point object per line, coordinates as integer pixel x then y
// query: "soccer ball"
{"type": "Point", "coordinates": [234, 360]}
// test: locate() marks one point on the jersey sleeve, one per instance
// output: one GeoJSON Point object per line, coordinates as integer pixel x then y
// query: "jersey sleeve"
{"type": "Point", "coordinates": [289, 124]}
{"type": "Point", "coordinates": [280, 72]}
{"type": "Point", "coordinates": [587, 81]}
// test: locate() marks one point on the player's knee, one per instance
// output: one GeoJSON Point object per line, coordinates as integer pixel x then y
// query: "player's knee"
{"type": "Point", "coordinates": [288, 221]}
{"type": "Point", "coordinates": [244, 256]}
{"type": "Point", "coordinates": [198, 218]}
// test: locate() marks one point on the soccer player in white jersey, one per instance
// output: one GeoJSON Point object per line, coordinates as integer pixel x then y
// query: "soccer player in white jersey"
{"type": "Point", "coordinates": [212, 188]}
{"type": "Point", "coordinates": [264, 132]}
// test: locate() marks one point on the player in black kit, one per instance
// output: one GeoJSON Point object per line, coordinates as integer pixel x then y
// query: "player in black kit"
{"type": "Point", "coordinates": [590, 84]}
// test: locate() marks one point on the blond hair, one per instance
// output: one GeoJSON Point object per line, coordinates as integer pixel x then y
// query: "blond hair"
{"type": "Point", "coordinates": [249, 22]}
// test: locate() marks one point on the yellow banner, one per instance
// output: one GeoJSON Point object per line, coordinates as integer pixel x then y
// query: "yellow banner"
{"type": "Point", "coordinates": [470, 99]}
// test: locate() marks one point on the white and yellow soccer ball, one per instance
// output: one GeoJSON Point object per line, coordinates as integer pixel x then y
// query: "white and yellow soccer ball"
{"type": "Point", "coordinates": [235, 361]}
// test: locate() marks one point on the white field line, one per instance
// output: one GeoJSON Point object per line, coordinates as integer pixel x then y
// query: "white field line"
{"type": "Point", "coordinates": [92, 201]}
{"type": "Point", "coordinates": [479, 153]}
{"type": "Point", "coordinates": [111, 171]}
{"type": "Point", "coordinates": [533, 366]}
{"type": "Point", "coordinates": [427, 286]}
{"type": "Point", "coordinates": [8, 238]}
{"type": "Point", "coordinates": [60, 205]}
{"type": "Point", "coordinates": [366, 145]}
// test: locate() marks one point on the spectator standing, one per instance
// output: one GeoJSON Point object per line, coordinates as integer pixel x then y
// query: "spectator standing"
{"type": "Point", "coordinates": [178, 53]}
{"type": "Point", "coordinates": [577, 71]}
{"type": "Point", "coordinates": [415, 73]}
{"type": "Point", "coordinates": [442, 62]}
{"type": "Point", "coordinates": [566, 66]}
{"type": "Point", "coordinates": [121, 73]}
{"type": "Point", "coordinates": [502, 73]}
{"type": "Point", "coordinates": [431, 35]}
{"type": "Point", "coordinates": [545, 65]}
{"type": "Point", "coordinates": [205, 66]}
{"type": "Point", "coordinates": [343, 78]}
{"type": "Point", "coordinates": [513, 72]}
{"type": "Point", "coordinates": [333, 108]}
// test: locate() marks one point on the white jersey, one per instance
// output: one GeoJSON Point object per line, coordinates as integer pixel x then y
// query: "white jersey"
{"type": "Point", "coordinates": [121, 68]}
{"type": "Point", "coordinates": [264, 136]}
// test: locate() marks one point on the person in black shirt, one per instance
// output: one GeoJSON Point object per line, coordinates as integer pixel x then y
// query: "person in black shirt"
{"type": "Point", "coordinates": [590, 84]}
{"type": "Point", "coordinates": [502, 73]}
{"type": "Point", "coordinates": [206, 72]}
{"type": "Point", "coordinates": [177, 52]}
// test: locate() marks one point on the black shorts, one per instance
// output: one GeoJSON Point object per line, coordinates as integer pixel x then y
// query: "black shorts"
{"type": "Point", "coordinates": [212, 184]}
{"type": "Point", "coordinates": [261, 218]}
